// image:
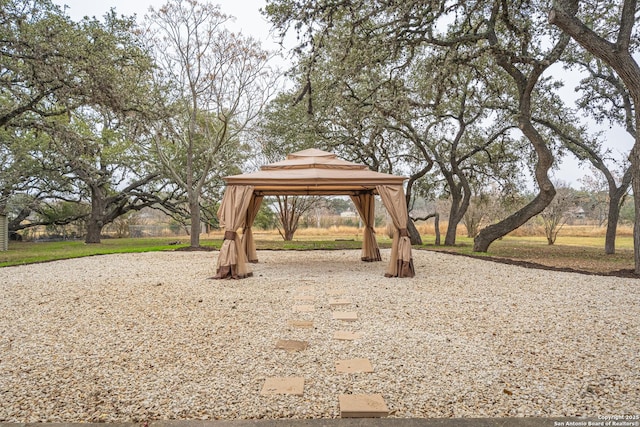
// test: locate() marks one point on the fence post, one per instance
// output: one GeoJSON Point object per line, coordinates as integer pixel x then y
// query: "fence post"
{"type": "Point", "coordinates": [4, 233]}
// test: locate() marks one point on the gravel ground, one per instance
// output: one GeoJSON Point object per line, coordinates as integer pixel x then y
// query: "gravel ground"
{"type": "Point", "coordinates": [149, 336]}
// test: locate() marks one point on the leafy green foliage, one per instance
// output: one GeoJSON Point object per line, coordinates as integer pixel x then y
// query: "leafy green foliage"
{"type": "Point", "coordinates": [73, 103]}
{"type": "Point", "coordinates": [266, 219]}
{"type": "Point", "coordinates": [391, 86]}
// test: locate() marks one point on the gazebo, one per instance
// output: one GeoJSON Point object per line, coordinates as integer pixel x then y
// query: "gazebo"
{"type": "Point", "coordinates": [311, 172]}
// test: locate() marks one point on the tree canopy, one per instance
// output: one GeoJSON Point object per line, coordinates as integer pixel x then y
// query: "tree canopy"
{"type": "Point", "coordinates": [113, 114]}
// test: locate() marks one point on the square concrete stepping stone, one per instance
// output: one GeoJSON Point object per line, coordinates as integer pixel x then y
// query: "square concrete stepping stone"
{"type": "Point", "coordinates": [304, 298]}
{"type": "Point", "coordinates": [300, 323]}
{"type": "Point", "coordinates": [362, 406]}
{"type": "Point", "coordinates": [349, 316]}
{"type": "Point", "coordinates": [292, 345]}
{"type": "Point", "coordinates": [339, 302]}
{"type": "Point", "coordinates": [303, 308]}
{"type": "Point", "coordinates": [283, 385]}
{"type": "Point", "coordinates": [346, 335]}
{"type": "Point", "coordinates": [352, 366]}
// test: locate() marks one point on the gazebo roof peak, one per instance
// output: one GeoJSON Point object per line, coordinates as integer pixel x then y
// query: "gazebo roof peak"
{"type": "Point", "coordinates": [311, 152]}
{"type": "Point", "coordinates": [313, 158]}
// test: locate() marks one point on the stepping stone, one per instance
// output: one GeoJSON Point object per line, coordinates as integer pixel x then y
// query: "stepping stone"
{"type": "Point", "coordinates": [335, 292]}
{"type": "Point", "coordinates": [283, 385]}
{"type": "Point", "coordinates": [338, 302]}
{"type": "Point", "coordinates": [292, 345]}
{"type": "Point", "coordinates": [362, 406]}
{"type": "Point", "coordinates": [352, 366]}
{"type": "Point", "coordinates": [304, 298]}
{"type": "Point", "coordinates": [300, 323]}
{"type": "Point", "coordinates": [349, 316]}
{"type": "Point", "coordinates": [303, 308]}
{"type": "Point", "coordinates": [346, 335]}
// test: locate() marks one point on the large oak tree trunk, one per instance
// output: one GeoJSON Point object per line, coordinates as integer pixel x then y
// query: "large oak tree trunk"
{"type": "Point", "coordinates": [526, 84]}
{"type": "Point", "coordinates": [414, 234]}
{"type": "Point", "coordinates": [615, 203]}
{"type": "Point", "coordinates": [493, 232]}
{"type": "Point", "coordinates": [94, 231]}
{"type": "Point", "coordinates": [459, 206]}
{"type": "Point", "coordinates": [194, 209]}
{"type": "Point", "coordinates": [634, 157]}
{"type": "Point", "coordinates": [454, 218]}
{"type": "Point", "coordinates": [546, 194]}
{"type": "Point", "coordinates": [96, 219]}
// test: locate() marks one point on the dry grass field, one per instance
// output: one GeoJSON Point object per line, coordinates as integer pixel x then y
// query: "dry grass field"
{"type": "Point", "coordinates": [577, 248]}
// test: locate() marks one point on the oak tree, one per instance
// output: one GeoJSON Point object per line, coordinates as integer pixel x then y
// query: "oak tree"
{"type": "Point", "coordinates": [610, 33]}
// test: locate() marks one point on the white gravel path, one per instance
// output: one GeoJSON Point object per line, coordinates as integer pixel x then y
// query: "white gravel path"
{"type": "Point", "coordinates": [149, 336]}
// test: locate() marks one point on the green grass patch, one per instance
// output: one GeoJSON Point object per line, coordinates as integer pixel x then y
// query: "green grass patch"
{"type": "Point", "coordinates": [32, 252]}
{"type": "Point", "coordinates": [585, 253]}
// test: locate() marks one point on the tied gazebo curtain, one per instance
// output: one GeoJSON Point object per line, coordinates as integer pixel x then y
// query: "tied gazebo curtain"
{"type": "Point", "coordinates": [232, 260]}
{"type": "Point", "coordinates": [248, 244]}
{"type": "Point", "coordinates": [401, 262]}
{"type": "Point", "coordinates": [365, 203]}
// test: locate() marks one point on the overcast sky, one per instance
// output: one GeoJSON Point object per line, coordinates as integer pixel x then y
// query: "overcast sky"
{"type": "Point", "coordinates": [247, 15]}
{"type": "Point", "coordinates": [249, 21]}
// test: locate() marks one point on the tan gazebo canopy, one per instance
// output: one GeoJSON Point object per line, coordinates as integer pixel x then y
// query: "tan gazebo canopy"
{"type": "Point", "coordinates": [312, 172]}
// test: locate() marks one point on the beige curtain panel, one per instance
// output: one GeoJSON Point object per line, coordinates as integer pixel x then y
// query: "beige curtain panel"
{"type": "Point", "coordinates": [366, 205]}
{"type": "Point", "coordinates": [232, 260]}
{"type": "Point", "coordinates": [248, 244]}
{"type": "Point", "coordinates": [401, 262]}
